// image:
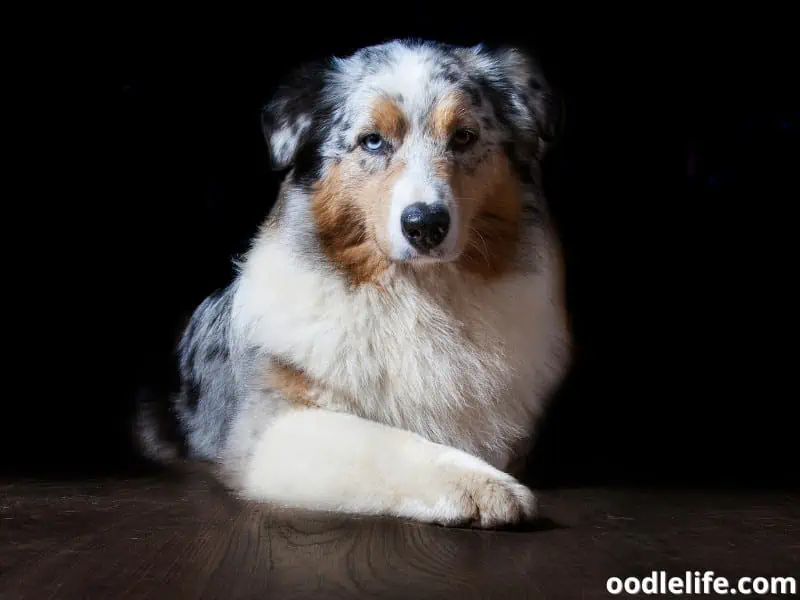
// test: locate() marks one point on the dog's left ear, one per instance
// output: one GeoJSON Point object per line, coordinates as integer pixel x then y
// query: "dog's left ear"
{"type": "Point", "coordinates": [528, 104]}
{"type": "Point", "coordinates": [288, 118]}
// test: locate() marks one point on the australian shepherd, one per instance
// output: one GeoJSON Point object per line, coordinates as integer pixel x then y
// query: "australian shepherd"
{"type": "Point", "coordinates": [397, 325]}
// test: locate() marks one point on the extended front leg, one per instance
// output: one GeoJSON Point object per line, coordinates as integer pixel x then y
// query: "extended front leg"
{"type": "Point", "coordinates": [317, 459]}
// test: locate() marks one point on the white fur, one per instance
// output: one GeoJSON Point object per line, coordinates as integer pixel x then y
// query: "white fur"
{"type": "Point", "coordinates": [441, 365]}
{"type": "Point", "coordinates": [323, 460]}
{"type": "Point", "coordinates": [451, 359]}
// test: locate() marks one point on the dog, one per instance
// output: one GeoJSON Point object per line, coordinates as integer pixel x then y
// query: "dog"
{"type": "Point", "coordinates": [395, 330]}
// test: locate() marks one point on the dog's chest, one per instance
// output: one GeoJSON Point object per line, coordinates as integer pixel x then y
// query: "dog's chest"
{"type": "Point", "coordinates": [453, 359]}
{"type": "Point", "coordinates": [447, 362]}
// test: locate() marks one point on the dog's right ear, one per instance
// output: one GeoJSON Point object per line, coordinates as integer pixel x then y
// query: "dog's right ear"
{"type": "Point", "coordinates": [287, 119]}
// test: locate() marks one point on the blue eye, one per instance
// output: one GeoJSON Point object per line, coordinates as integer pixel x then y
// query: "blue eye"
{"type": "Point", "coordinates": [372, 142]}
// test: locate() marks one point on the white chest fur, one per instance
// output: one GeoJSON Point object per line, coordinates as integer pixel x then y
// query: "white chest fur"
{"type": "Point", "coordinates": [458, 360]}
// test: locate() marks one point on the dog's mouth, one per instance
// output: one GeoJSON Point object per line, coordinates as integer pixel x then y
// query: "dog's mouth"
{"type": "Point", "coordinates": [415, 258]}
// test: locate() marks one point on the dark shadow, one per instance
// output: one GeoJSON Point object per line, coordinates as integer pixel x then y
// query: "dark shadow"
{"type": "Point", "coordinates": [540, 524]}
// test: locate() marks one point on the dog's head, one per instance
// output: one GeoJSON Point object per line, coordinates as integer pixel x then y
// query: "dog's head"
{"type": "Point", "coordinates": [413, 152]}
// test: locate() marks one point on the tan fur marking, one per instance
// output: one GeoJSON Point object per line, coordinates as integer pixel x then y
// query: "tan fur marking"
{"type": "Point", "coordinates": [351, 210]}
{"type": "Point", "coordinates": [449, 114]}
{"type": "Point", "coordinates": [292, 383]}
{"type": "Point", "coordinates": [491, 200]}
{"type": "Point", "coordinates": [388, 119]}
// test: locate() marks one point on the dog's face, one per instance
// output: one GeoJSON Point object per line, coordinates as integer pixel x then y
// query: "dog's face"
{"type": "Point", "coordinates": [413, 152]}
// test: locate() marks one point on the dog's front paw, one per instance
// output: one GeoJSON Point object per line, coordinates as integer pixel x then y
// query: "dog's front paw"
{"type": "Point", "coordinates": [470, 492]}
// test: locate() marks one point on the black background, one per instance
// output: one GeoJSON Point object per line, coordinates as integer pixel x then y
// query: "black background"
{"type": "Point", "coordinates": [673, 187]}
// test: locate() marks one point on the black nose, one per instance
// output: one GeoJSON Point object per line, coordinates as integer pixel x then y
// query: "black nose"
{"type": "Point", "coordinates": [425, 226]}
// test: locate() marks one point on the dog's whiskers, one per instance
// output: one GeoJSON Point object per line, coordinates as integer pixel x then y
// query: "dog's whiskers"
{"type": "Point", "coordinates": [485, 252]}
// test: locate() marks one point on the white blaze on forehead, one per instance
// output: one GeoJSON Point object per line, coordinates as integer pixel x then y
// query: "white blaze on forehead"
{"type": "Point", "coordinates": [417, 182]}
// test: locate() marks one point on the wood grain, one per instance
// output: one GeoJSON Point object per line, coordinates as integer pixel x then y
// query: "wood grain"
{"type": "Point", "coordinates": [185, 537]}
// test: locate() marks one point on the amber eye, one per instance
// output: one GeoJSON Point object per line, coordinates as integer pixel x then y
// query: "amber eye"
{"type": "Point", "coordinates": [463, 138]}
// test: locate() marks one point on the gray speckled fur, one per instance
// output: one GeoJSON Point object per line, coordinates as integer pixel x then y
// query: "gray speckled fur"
{"type": "Point", "coordinates": [209, 387]}
{"type": "Point", "coordinates": [219, 379]}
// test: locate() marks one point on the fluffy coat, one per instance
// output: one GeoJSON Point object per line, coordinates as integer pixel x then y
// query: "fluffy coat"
{"type": "Point", "coordinates": [342, 370]}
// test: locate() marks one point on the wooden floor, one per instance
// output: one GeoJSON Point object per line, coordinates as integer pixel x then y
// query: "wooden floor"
{"type": "Point", "coordinates": [184, 537]}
